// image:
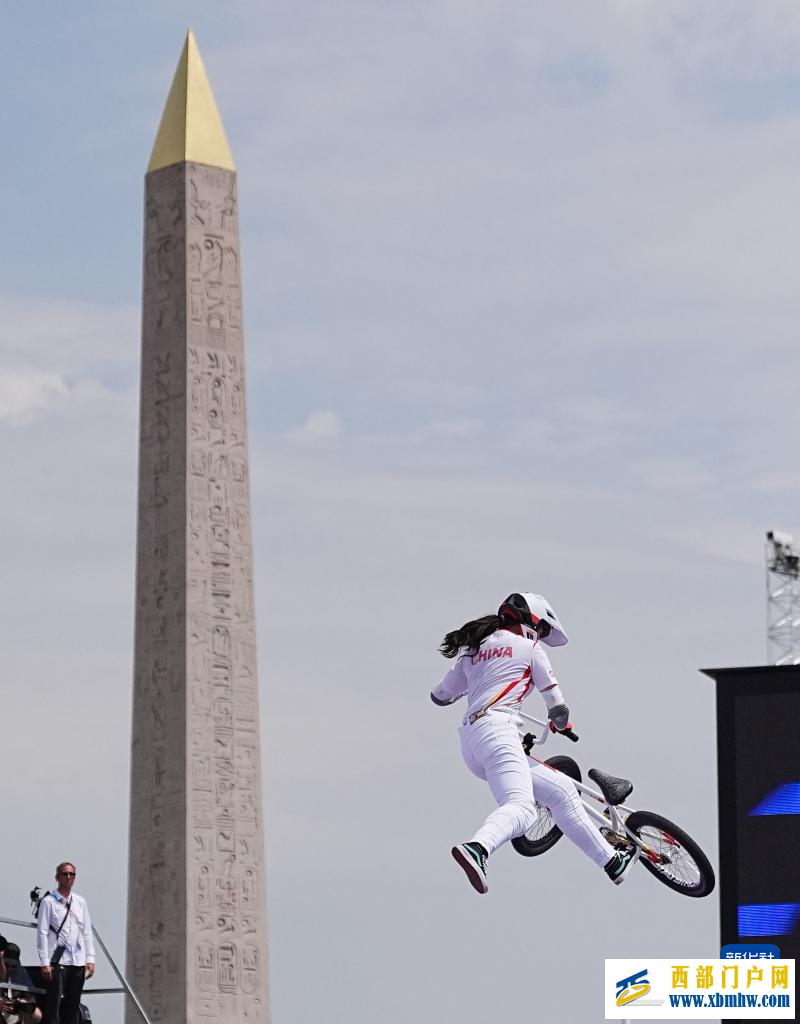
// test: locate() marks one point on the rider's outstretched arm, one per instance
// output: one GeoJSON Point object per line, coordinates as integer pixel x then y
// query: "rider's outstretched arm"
{"type": "Point", "coordinates": [544, 679]}
{"type": "Point", "coordinates": [451, 686]}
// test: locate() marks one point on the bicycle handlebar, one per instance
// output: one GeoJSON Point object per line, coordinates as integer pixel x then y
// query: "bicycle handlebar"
{"type": "Point", "coordinates": [548, 727]}
{"type": "Point", "coordinates": [529, 739]}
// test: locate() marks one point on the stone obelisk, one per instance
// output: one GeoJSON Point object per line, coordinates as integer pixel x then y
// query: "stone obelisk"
{"type": "Point", "coordinates": [197, 925]}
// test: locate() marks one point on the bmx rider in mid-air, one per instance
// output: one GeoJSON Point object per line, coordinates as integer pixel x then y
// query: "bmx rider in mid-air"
{"type": "Point", "coordinates": [499, 661]}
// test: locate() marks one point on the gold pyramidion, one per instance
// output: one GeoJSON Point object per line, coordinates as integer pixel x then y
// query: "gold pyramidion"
{"type": "Point", "coordinates": [191, 128]}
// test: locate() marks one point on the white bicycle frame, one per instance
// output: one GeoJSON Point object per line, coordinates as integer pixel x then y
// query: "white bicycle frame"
{"type": "Point", "coordinates": [607, 815]}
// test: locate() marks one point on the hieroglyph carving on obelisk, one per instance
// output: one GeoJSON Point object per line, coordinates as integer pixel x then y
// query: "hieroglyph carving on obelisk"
{"type": "Point", "coordinates": [197, 927]}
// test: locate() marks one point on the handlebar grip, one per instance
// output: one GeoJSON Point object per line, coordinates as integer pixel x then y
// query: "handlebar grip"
{"type": "Point", "coordinates": [565, 732]}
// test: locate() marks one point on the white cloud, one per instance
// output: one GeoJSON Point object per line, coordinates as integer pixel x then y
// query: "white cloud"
{"type": "Point", "coordinates": [26, 395]}
{"type": "Point", "coordinates": [320, 426]}
{"type": "Point", "coordinates": [70, 336]}
{"type": "Point", "coordinates": [59, 356]}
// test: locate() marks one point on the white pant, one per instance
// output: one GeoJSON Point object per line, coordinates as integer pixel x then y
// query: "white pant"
{"type": "Point", "coordinates": [492, 750]}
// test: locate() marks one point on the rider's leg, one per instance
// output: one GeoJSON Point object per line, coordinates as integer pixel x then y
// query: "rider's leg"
{"type": "Point", "coordinates": [493, 752]}
{"type": "Point", "coordinates": [557, 793]}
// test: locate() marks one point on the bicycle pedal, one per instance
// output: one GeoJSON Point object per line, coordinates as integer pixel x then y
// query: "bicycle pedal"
{"type": "Point", "coordinates": [619, 842]}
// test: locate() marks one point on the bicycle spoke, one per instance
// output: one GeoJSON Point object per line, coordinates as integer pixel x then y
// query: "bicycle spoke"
{"type": "Point", "coordinates": [544, 822]}
{"type": "Point", "coordinates": [669, 857]}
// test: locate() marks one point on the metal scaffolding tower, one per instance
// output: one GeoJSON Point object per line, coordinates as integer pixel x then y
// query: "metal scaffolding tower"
{"type": "Point", "coordinates": [783, 599]}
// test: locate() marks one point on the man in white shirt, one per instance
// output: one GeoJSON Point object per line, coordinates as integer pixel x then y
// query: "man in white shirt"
{"type": "Point", "coordinates": [65, 945]}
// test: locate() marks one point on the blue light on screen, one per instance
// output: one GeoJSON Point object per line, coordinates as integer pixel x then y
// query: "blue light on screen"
{"type": "Point", "coordinates": [767, 918]}
{"type": "Point", "coordinates": [783, 800]}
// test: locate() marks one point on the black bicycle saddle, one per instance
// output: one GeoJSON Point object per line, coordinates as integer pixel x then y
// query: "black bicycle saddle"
{"type": "Point", "coordinates": [613, 789]}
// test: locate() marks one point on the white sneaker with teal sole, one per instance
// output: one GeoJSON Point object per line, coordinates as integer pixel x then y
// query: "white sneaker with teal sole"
{"type": "Point", "coordinates": [620, 864]}
{"type": "Point", "coordinates": [472, 859]}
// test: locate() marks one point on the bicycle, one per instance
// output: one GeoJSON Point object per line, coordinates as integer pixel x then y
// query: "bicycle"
{"type": "Point", "coordinates": [663, 848]}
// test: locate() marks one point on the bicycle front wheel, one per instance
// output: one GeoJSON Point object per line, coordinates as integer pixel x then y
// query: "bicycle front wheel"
{"type": "Point", "coordinates": [544, 832]}
{"type": "Point", "coordinates": [671, 855]}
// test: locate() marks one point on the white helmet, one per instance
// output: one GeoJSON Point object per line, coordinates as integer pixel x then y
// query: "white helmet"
{"type": "Point", "coordinates": [537, 618]}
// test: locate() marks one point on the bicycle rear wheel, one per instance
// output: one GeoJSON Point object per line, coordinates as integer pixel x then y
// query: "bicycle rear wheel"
{"type": "Point", "coordinates": [671, 855]}
{"type": "Point", "coordinates": [544, 832]}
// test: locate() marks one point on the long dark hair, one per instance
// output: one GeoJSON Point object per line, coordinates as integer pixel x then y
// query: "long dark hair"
{"type": "Point", "coordinates": [471, 635]}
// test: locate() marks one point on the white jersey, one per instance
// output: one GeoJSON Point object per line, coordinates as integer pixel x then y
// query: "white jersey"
{"type": "Point", "coordinates": [500, 674]}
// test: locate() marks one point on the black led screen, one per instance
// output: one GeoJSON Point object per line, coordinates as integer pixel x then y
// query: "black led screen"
{"type": "Point", "coordinates": [758, 758]}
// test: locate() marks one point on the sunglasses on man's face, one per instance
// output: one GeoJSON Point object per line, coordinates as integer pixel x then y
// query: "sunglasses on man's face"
{"type": "Point", "coordinates": [67, 874]}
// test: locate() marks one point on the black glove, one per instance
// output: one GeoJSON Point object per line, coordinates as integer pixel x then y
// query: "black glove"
{"type": "Point", "coordinates": [559, 718]}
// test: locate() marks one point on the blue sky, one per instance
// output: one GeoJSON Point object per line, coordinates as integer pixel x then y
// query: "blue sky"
{"type": "Point", "coordinates": [521, 310]}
